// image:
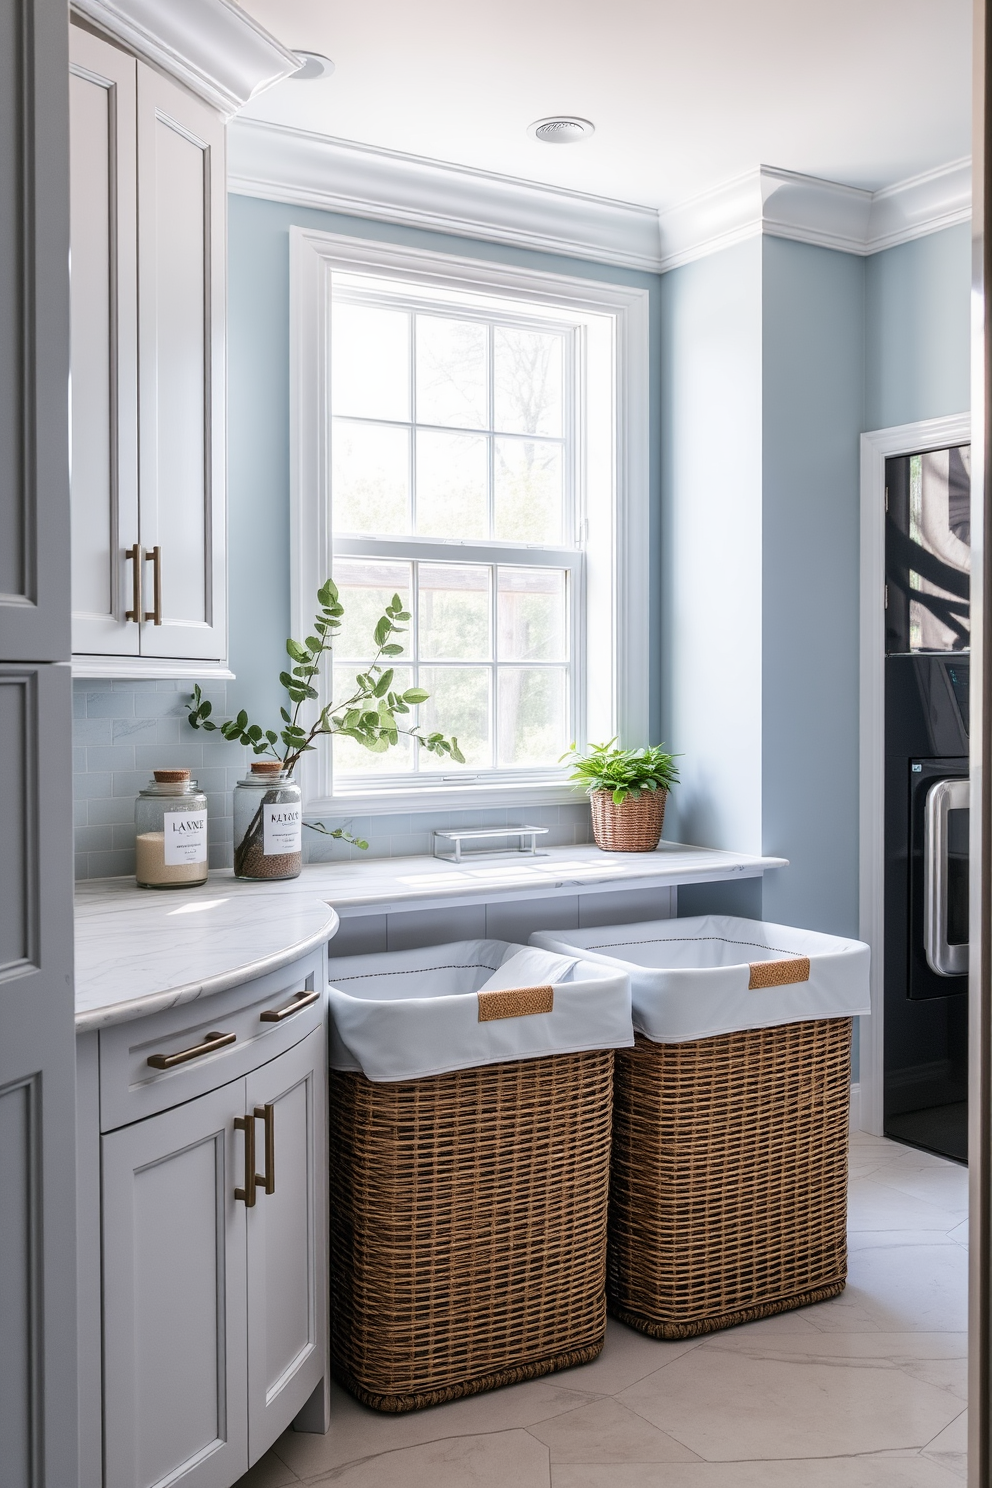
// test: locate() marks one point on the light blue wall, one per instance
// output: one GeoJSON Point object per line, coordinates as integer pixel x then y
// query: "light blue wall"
{"type": "Point", "coordinates": [812, 410]}
{"type": "Point", "coordinates": [917, 329]}
{"type": "Point", "coordinates": [258, 300]}
{"type": "Point", "coordinates": [711, 574]}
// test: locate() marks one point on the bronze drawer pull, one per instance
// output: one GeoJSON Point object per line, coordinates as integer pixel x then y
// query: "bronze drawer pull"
{"type": "Point", "coordinates": [268, 1178]}
{"type": "Point", "coordinates": [155, 614]}
{"type": "Point", "coordinates": [296, 1004]}
{"type": "Point", "coordinates": [133, 555]}
{"type": "Point", "coordinates": [210, 1043]}
{"type": "Point", "coordinates": [247, 1194]}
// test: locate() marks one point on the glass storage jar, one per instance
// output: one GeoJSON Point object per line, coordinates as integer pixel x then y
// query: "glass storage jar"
{"type": "Point", "coordinates": [268, 823]}
{"type": "Point", "coordinates": [170, 820]}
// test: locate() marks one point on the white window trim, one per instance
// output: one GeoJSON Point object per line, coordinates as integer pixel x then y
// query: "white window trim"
{"type": "Point", "coordinates": [314, 258]}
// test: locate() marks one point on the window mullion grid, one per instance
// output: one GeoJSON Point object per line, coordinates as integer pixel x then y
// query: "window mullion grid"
{"type": "Point", "coordinates": [415, 648]}
{"type": "Point", "coordinates": [494, 659]}
{"type": "Point", "coordinates": [411, 501]}
{"type": "Point", "coordinates": [493, 572]}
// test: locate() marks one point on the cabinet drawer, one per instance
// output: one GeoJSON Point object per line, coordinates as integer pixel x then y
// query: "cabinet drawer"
{"type": "Point", "coordinates": [131, 1088]}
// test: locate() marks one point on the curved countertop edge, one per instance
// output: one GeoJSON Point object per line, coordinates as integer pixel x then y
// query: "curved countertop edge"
{"type": "Point", "coordinates": [89, 1019]}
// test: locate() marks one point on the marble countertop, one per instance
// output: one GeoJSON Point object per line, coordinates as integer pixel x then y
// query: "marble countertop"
{"type": "Point", "coordinates": [138, 950]}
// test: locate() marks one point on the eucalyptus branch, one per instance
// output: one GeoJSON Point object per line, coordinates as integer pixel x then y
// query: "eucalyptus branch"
{"type": "Point", "coordinates": [369, 716]}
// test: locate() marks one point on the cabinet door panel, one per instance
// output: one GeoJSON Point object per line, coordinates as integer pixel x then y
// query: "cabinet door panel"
{"type": "Point", "coordinates": [174, 1298]}
{"type": "Point", "coordinates": [104, 427]}
{"type": "Point", "coordinates": [286, 1243]}
{"type": "Point", "coordinates": [34, 326]}
{"type": "Point", "coordinates": [181, 248]}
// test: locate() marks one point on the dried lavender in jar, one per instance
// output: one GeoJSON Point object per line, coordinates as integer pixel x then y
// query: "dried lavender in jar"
{"type": "Point", "coordinates": [268, 823]}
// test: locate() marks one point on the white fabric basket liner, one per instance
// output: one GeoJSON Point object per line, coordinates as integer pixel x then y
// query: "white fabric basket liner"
{"type": "Point", "coordinates": [402, 1015]}
{"type": "Point", "coordinates": [689, 978]}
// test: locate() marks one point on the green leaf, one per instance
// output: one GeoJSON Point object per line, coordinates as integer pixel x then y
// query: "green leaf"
{"type": "Point", "coordinates": [382, 629]}
{"type": "Point", "coordinates": [313, 644]}
{"type": "Point", "coordinates": [271, 735]}
{"type": "Point", "coordinates": [285, 679]}
{"type": "Point", "coordinates": [205, 709]}
{"type": "Point", "coordinates": [370, 720]}
{"type": "Point", "coordinates": [296, 651]}
{"type": "Point", "coordinates": [242, 719]}
{"type": "Point", "coordinates": [392, 649]}
{"type": "Point", "coordinates": [284, 714]}
{"type": "Point", "coordinates": [415, 695]}
{"type": "Point", "coordinates": [383, 684]}
{"type": "Point", "coordinates": [456, 753]}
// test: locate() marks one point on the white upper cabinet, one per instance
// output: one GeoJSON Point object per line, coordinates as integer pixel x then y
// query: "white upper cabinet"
{"type": "Point", "coordinates": [148, 353]}
{"type": "Point", "coordinates": [104, 449]}
{"type": "Point", "coordinates": [181, 259]}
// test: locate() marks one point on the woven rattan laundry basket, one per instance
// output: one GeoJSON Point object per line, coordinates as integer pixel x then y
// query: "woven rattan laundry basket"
{"type": "Point", "coordinates": [728, 1196]}
{"type": "Point", "coordinates": [468, 1227]}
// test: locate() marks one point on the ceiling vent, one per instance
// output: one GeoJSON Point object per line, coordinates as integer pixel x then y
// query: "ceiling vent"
{"type": "Point", "coordinates": [312, 66]}
{"type": "Point", "coordinates": [563, 130]}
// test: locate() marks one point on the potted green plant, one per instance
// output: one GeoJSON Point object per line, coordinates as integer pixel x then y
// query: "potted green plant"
{"type": "Point", "coordinates": [267, 839]}
{"type": "Point", "coordinates": [627, 791]}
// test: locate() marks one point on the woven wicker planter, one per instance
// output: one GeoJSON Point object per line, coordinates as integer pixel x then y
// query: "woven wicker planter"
{"type": "Point", "coordinates": [468, 1227]}
{"type": "Point", "coordinates": [728, 1197]}
{"type": "Point", "coordinates": [633, 826]}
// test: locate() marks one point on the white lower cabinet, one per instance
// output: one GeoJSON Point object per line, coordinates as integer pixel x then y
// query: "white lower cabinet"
{"type": "Point", "coordinates": [214, 1311]}
{"type": "Point", "coordinates": [287, 1281]}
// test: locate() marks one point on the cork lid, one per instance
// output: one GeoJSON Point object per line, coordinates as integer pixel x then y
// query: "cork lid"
{"type": "Point", "coordinates": [267, 767]}
{"type": "Point", "coordinates": [171, 777]}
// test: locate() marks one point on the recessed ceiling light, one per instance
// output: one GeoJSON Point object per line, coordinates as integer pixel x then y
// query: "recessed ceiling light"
{"type": "Point", "coordinates": [561, 129]}
{"type": "Point", "coordinates": [312, 67]}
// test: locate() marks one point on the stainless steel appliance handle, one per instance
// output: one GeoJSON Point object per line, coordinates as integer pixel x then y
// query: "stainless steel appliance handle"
{"type": "Point", "coordinates": [945, 959]}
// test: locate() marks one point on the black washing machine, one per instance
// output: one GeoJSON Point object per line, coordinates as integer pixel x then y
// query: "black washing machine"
{"type": "Point", "coordinates": [926, 901]}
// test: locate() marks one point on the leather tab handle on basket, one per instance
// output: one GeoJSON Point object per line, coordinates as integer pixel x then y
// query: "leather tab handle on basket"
{"type": "Point", "coordinates": [515, 1002]}
{"type": "Point", "coordinates": [779, 973]}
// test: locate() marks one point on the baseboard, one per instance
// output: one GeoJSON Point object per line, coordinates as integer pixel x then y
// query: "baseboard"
{"type": "Point", "coordinates": [855, 1107]}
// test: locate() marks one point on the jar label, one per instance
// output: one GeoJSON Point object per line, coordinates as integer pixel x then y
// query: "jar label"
{"type": "Point", "coordinates": [282, 828]}
{"type": "Point", "coordinates": [185, 837]}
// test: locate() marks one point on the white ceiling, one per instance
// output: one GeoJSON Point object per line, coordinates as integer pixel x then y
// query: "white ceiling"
{"type": "Point", "coordinates": [685, 94]}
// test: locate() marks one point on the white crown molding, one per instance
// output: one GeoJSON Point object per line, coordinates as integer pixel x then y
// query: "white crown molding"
{"type": "Point", "coordinates": [783, 204]}
{"type": "Point", "coordinates": [923, 204]}
{"type": "Point", "coordinates": [213, 46]}
{"type": "Point", "coordinates": [314, 170]}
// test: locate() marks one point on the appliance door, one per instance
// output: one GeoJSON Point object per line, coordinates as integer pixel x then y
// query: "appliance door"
{"type": "Point", "coordinates": [945, 882]}
{"type": "Point", "coordinates": [937, 879]}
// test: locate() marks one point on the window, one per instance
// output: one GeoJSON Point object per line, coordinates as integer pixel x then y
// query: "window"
{"type": "Point", "coordinates": [458, 444]}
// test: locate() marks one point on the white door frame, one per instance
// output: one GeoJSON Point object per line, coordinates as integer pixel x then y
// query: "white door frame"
{"type": "Point", "coordinates": [876, 448]}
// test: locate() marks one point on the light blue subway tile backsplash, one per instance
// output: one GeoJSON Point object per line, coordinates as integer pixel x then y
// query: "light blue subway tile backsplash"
{"type": "Point", "coordinates": [122, 730]}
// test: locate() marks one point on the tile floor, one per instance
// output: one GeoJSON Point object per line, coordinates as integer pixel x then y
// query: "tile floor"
{"type": "Point", "coordinates": [865, 1391]}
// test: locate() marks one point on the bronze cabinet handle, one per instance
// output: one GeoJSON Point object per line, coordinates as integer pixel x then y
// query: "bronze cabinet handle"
{"type": "Point", "coordinates": [155, 614]}
{"type": "Point", "coordinates": [134, 555]}
{"type": "Point", "coordinates": [210, 1043]}
{"type": "Point", "coordinates": [268, 1178]}
{"type": "Point", "coordinates": [298, 1001]}
{"type": "Point", "coordinates": [247, 1194]}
